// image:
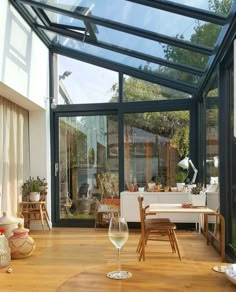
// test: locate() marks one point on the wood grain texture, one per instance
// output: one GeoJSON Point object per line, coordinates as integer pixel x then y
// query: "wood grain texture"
{"type": "Point", "coordinates": [78, 259]}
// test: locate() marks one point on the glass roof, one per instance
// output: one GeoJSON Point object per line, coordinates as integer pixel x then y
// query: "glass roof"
{"type": "Point", "coordinates": [172, 43]}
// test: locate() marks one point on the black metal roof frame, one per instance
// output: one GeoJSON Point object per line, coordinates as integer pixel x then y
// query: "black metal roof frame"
{"type": "Point", "coordinates": [87, 35]}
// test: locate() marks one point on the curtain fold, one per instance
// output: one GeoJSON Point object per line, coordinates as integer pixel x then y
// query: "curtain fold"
{"type": "Point", "coordinates": [14, 154]}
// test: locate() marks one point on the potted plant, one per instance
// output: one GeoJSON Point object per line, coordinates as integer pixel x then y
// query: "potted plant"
{"type": "Point", "coordinates": [33, 187]}
{"type": "Point", "coordinates": [198, 196]}
{"type": "Point", "coordinates": [180, 178]}
{"type": "Point", "coordinates": [131, 187]}
{"type": "Point", "coordinates": [158, 184]}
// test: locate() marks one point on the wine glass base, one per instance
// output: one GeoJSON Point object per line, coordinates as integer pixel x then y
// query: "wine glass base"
{"type": "Point", "coordinates": [119, 275]}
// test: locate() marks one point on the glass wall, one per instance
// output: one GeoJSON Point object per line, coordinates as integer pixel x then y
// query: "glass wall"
{"type": "Point", "coordinates": [154, 143]}
{"type": "Point", "coordinates": [141, 90]}
{"type": "Point", "coordinates": [233, 151]}
{"type": "Point", "coordinates": [212, 137]}
{"type": "Point", "coordinates": [103, 118]}
{"type": "Point", "coordinates": [81, 83]}
{"type": "Point", "coordinates": [88, 164]}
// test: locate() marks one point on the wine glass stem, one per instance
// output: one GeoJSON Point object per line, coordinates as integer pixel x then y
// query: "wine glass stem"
{"type": "Point", "coordinates": [118, 249]}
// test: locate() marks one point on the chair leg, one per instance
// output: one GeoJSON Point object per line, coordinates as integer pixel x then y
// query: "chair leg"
{"type": "Point", "coordinates": [172, 242]}
{"type": "Point", "coordinates": [143, 241]}
{"type": "Point", "coordinates": [139, 245]}
{"type": "Point", "coordinates": [176, 244]}
{"type": "Point", "coordinates": [142, 252]}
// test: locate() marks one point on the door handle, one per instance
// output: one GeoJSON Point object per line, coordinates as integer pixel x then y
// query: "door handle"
{"type": "Point", "coordinates": [56, 169]}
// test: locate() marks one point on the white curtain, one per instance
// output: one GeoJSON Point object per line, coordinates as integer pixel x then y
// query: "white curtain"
{"type": "Point", "coordinates": [14, 154]}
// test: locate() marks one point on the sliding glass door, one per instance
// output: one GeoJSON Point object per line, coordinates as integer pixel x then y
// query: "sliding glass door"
{"type": "Point", "coordinates": [87, 164]}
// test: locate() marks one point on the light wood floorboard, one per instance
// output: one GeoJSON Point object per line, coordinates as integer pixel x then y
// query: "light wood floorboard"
{"type": "Point", "coordinates": [77, 259]}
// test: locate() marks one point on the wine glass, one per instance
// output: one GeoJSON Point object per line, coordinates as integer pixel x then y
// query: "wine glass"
{"type": "Point", "coordinates": [118, 234]}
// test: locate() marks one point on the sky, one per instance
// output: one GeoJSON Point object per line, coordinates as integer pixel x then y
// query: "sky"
{"type": "Point", "coordinates": [87, 83]}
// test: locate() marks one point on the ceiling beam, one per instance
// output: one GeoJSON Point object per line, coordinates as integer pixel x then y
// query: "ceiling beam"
{"type": "Point", "coordinates": [183, 10]}
{"type": "Point", "coordinates": [42, 16]}
{"type": "Point", "coordinates": [121, 50]}
{"type": "Point", "coordinates": [111, 65]}
{"type": "Point", "coordinates": [125, 28]}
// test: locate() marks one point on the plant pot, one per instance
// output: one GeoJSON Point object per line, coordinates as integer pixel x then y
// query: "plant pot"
{"type": "Point", "coordinates": [180, 187]}
{"type": "Point", "coordinates": [198, 200]}
{"type": "Point", "coordinates": [131, 188]}
{"type": "Point", "coordinates": [157, 188]}
{"type": "Point", "coordinates": [151, 186]}
{"type": "Point", "coordinates": [34, 196]}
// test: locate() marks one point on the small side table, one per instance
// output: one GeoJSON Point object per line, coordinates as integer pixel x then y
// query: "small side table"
{"type": "Point", "coordinates": [35, 211]}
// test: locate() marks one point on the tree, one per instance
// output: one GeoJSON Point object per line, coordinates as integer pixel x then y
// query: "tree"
{"type": "Point", "coordinates": [173, 125]}
{"type": "Point", "coordinates": [205, 34]}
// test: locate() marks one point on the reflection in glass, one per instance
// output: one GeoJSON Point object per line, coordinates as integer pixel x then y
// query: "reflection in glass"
{"type": "Point", "coordinates": [213, 90]}
{"type": "Point", "coordinates": [212, 140]}
{"type": "Point", "coordinates": [88, 164]}
{"type": "Point", "coordinates": [153, 145]}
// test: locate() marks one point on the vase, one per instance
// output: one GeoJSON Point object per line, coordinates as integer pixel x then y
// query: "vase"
{"type": "Point", "coordinates": [131, 188]}
{"type": "Point", "coordinates": [8, 223]}
{"type": "Point", "coordinates": [21, 244]}
{"type": "Point", "coordinates": [5, 254]}
{"type": "Point", "coordinates": [198, 200]}
{"type": "Point", "coordinates": [151, 186]}
{"type": "Point", "coordinates": [157, 188]}
{"type": "Point", "coordinates": [34, 196]}
{"type": "Point", "coordinates": [180, 187]}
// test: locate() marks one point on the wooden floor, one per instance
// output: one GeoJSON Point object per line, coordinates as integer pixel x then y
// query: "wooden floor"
{"type": "Point", "coordinates": [77, 259]}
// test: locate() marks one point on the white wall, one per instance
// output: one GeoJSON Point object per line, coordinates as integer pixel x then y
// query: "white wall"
{"type": "Point", "coordinates": [24, 79]}
{"type": "Point", "coordinates": [23, 57]}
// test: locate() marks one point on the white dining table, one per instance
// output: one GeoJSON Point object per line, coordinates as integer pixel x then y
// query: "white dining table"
{"type": "Point", "coordinates": [177, 208]}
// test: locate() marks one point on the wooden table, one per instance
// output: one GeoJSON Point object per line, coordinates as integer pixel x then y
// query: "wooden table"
{"type": "Point", "coordinates": [149, 276]}
{"type": "Point", "coordinates": [35, 211]}
{"type": "Point", "coordinates": [177, 208]}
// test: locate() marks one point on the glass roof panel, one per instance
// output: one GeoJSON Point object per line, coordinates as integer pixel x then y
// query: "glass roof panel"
{"type": "Point", "coordinates": [140, 16]}
{"type": "Point", "coordinates": [146, 46]}
{"type": "Point", "coordinates": [75, 87]}
{"type": "Point", "coordinates": [221, 7]}
{"type": "Point", "coordinates": [147, 67]}
{"type": "Point", "coordinates": [173, 41]}
{"type": "Point", "coordinates": [132, 42]}
{"type": "Point", "coordinates": [64, 20]}
{"type": "Point", "coordinates": [149, 91]}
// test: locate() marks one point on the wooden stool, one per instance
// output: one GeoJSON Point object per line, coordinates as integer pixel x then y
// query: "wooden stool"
{"type": "Point", "coordinates": [35, 211]}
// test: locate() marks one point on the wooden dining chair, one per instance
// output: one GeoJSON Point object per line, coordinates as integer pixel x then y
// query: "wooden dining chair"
{"type": "Point", "coordinates": [218, 232]}
{"type": "Point", "coordinates": [155, 229]}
